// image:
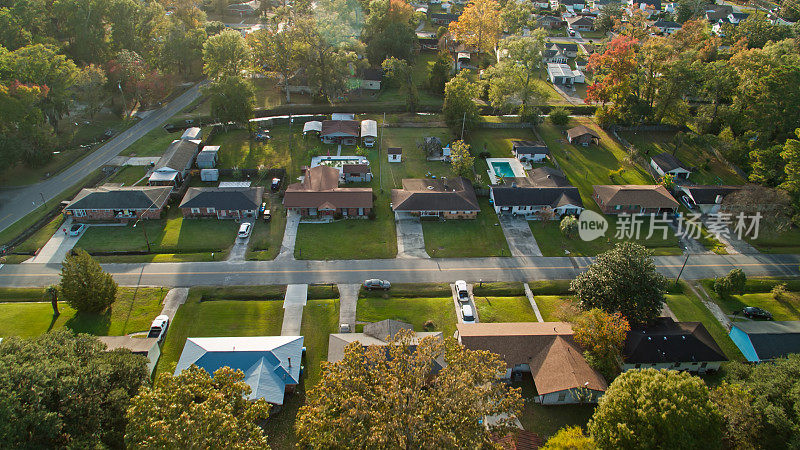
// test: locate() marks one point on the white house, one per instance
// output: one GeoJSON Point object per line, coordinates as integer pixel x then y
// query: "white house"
{"type": "Point", "coordinates": [369, 132]}
{"type": "Point", "coordinates": [395, 154]}
{"type": "Point", "coordinates": [666, 344]}
{"type": "Point", "coordinates": [536, 203]}
{"type": "Point", "coordinates": [709, 198]}
{"type": "Point", "coordinates": [666, 26]}
{"type": "Point", "coordinates": [665, 163]}
{"type": "Point", "coordinates": [563, 74]}
{"type": "Point", "coordinates": [530, 151]}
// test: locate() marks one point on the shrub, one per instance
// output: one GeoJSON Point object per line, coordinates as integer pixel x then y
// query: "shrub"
{"type": "Point", "coordinates": [84, 285]}
{"type": "Point", "coordinates": [732, 283]}
{"type": "Point", "coordinates": [569, 227]}
{"type": "Point", "coordinates": [559, 116]}
{"type": "Point", "coordinates": [779, 291]}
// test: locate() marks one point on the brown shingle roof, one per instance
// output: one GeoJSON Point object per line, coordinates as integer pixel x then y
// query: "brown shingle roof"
{"type": "Point", "coordinates": [424, 194]}
{"type": "Point", "coordinates": [320, 189]}
{"type": "Point", "coordinates": [346, 127]}
{"type": "Point", "coordinates": [355, 168]}
{"type": "Point", "coordinates": [394, 150]}
{"type": "Point", "coordinates": [647, 196]}
{"type": "Point", "coordinates": [581, 130]}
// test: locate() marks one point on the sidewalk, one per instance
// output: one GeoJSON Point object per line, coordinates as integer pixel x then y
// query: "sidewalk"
{"type": "Point", "coordinates": [293, 303]}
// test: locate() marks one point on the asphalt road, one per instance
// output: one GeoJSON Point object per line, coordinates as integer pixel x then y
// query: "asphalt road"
{"type": "Point", "coordinates": [16, 203]}
{"type": "Point", "coordinates": [396, 270]}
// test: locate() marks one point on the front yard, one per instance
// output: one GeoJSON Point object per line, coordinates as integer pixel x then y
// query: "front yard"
{"type": "Point", "coordinates": [154, 143]}
{"type": "Point", "coordinates": [129, 175]}
{"type": "Point", "coordinates": [758, 293]}
{"type": "Point", "coordinates": [775, 242]}
{"type": "Point", "coordinates": [504, 309]}
{"type": "Point", "coordinates": [438, 313]}
{"type": "Point", "coordinates": [480, 237]}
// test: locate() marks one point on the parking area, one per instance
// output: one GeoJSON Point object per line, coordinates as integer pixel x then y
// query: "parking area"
{"type": "Point", "coordinates": [63, 240]}
{"type": "Point", "coordinates": [459, 305]}
{"type": "Point", "coordinates": [239, 249]}
{"type": "Point", "coordinates": [519, 236]}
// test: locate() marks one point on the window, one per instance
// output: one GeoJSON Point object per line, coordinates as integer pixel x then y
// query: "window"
{"type": "Point", "coordinates": [562, 396]}
{"type": "Point", "coordinates": [195, 210]}
{"type": "Point", "coordinates": [453, 212]}
{"type": "Point", "coordinates": [210, 210]}
{"type": "Point", "coordinates": [80, 213]}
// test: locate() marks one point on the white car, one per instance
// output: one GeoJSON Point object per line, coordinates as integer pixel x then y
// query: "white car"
{"type": "Point", "coordinates": [466, 314]}
{"type": "Point", "coordinates": [158, 329]}
{"type": "Point", "coordinates": [461, 289]}
{"type": "Point", "coordinates": [244, 230]}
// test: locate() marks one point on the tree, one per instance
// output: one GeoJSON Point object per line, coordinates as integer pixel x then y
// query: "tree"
{"type": "Point", "coordinates": [602, 336]}
{"type": "Point", "coordinates": [386, 397]}
{"type": "Point", "coordinates": [656, 409]}
{"type": "Point", "coordinates": [462, 161]}
{"type": "Point", "coordinates": [742, 421]}
{"type": "Point", "coordinates": [401, 72]}
{"type": "Point", "coordinates": [732, 283]}
{"type": "Point", "coordinates": [668, 181]}
{"type": "Point", "coordinates": [768, 167]}
{"type": "Point", "coordinates": [51, 293]}
{"type": "Point", "coordinates": [559, 116]}
{"type": "Point", "coordinates": [516, 17]}
{"type": "Point", "coordinates": [84, 285]}
{"type": "Point", "coordinates": [514, 80]}
{"type": "Point", "coordinates": [609, 14]}
{"type": "Point", "coordinates": [478, 25]}
{"type": "Point", "coordinates": [756, 30]}
{"type": "Point", "coordinates": [24, 132]}
{"type": "Point", "coordinates": [389, 30]}
{"type": "Point", "coordinates": [439, 72]}
{"type": "Point", "coordinates": [790, 10]}
{"type": "Point", "coordinates": [91, 85]}
{"type": "Point", "coordinates": [279, 53]}
{"type": "Point", "coordinates": [61, 390]}
{"type": "Point", "coordinates": [232, 99]}
{"type": "Point", "coordinates": [569, 227]}
{"type": "Point", "coordinates": [624, 280]}
{"type": "Point", "coordinates": [791, 158]}
{"type": "Point", "coordinates": [193, 407]}
{"type": "Point", "coordinates": [613, 68]}
{"type": "Point", "coordinates": [570, 438]}
{"type": "Point", "coordinates": [226, 54]}
{"type": "Point", "coordinates": [182, 48]}
{"type": "Point", "coordinates": [460, 110]}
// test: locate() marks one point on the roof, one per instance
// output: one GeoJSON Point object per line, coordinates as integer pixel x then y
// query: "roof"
{"type": "Point", "coordinates": [581, 130]}
{"type": "Point", "coordinates": [548, 19]}
{"type": "Point", "coordinates": [548, 348]}
{"type": "Point", "coordinates": [424, 194]}
{"type": "Point", "coordinates": [519, 440]}
{"type": "Point", "coordinates": [770, 339]}
{"type": "Point", "coordinates": [269, 363]}
{"type": "Point", "coordinates": [129, 197]}
{"type": "Point", "coordinates": [667, 162]}
{"type": "Point", "coordinates": [564, 47]}
{"type": "Point", "coordinates": [394, 150]}
{"type": "Point", "coordinates": [655, 4]}
{"type": "Point", "coordinates": [338, 341]}
{"type": "Point", "coordinates": [343, 116]}
{"type": "Point", "coordinates": [345, 127]}
{"type": "Point", "coordinates": [536, 196]}
{"type": "Point", "coordinates": [134, 344]}
{"type": "Point", "coordinates": [191, 133]}
{"type": "Point", "coordinates": [667, 341]}
{"type": "Point", "coordinates": [386, 329]}
{"type": "Point", "coordinates": [559, 70]}
{"type": "Point", "coordinates": [445, 16]}
{"type": "Point", "coordinates": [178, 155]}
{"type": "Point", "coordinates": [547, 177]}
{"type": "Point", "coordinates": [648, 196]}
{"type": "Point", "coordinates": [666, 24]}
{"type": "Point", "coordinates": [320, 189]}
{"type": "Point", "coordinates": [583, 20]}
{"type": "Point", "coordinates": [230, 198]}
{"type": "Point", "coordinates": [355, 168]}
{"type": "Point", "coordinates": [530, 147]}
{"type": "Point", "coordinates": [312, 125]}
{"type": "Point", "coordinates": [369, 128]}
{"type": "Point", "coordinates": [208, 154]}
{"type": "Point", "coordinates": [372, 74]}
{"type": "Point", "coordinates": [706, 195]}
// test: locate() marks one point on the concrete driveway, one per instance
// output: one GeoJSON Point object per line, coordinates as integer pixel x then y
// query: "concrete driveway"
{"type": "Point", "coordinates": [239, 249]}
{"type": "Point", "coordinates": [55, 250]}
{"type": "Point", "coordinates": [410, 240]}
{"type": "Point", "coordinates": [519, 236]}
{"type": "Point", "coordinates": [289, 235]}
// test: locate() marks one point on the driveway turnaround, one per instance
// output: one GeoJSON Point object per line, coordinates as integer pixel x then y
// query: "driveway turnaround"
{"type": "Point", "coordinates": [239, 249]}
{"type": "Point", "coordinates": [296, 296]}
{"type": "Point", "coordinates": [289, 235]}
{"type": "Point", "coordinates": [519, 236]}
{"type": "Point", "coordinates": [410, 240]}
{"type": "Point", "coordinates": [55, 250]}
{"type": "Point", "coordinates": [348, 299]}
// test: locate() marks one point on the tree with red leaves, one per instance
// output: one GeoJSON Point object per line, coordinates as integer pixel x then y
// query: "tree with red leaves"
{"type": "Point", "coordinates": [613, 70]}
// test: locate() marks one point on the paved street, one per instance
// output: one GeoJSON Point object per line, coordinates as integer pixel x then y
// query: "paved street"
{"type": "Point", "coordinates": [16, 203]}
{"type": "Point", "coordinates": [287, 271]}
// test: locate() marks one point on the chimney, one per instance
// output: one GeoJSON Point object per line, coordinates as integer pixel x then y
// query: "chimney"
{"type": "Point", "coordinates": [290, 361]}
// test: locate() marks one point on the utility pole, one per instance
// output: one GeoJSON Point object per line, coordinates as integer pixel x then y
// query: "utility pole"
{"type": "Point", "coordinates": [124, 105]}
{"type": "Point", "coordinates": [44, 202]}
{"type": "Point", "coordinates": [682, 267]}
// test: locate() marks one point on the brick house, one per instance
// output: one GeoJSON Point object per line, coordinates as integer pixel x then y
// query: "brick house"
{"type": "Point", "coordinates": [222, 203]}
{"type": "Point", "coordinates": [345, 132]}
{"type": "Point", "coordinates": [319, 194]}
{"type": "Point", "coordinates": [445, 198]}
{"type": "Point", "coordinates": [118, 204]}
{"type": "Point", "coordinates": [634, 199]}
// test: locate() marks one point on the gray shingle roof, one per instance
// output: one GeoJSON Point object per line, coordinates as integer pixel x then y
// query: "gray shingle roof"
{"type": "Point", "coordinates": [667, 162]}
{"type": "Point", "coordinates": [456, 194]}
{"type": "Point", "coordinates": [530, 148]}
{"type": "Point", "coordinates": [772, 340]}
{"type": "Point", "coordinates": [178, 155]}
{"type": "Point", "coordinates": [240, 199]}
{"type": "Point", "coordinates": [706, 195]}
{"type": "Point", "coordinates": [536, 196]}
{"type": "Point", "coordinates": [130, 197]}
{"type": "Point", "coordinates": [667, 341]}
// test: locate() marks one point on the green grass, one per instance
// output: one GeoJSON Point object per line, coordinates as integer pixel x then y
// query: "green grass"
{"type": "Point", "coordinates": [129, 175]}
{"type": "Point", "coordinates": [414, 163]}
{"type": "Point", "coordinates": [547, 420]}
{"type": "Point", "coordinates": [757, 293]}
{"type": "Point", "coordinates": [480, 237]}
{"type": "Point", "coordinates": [237, 150]}
{"type": "Point", "coordinates": [504, 309]}
{"type": "Point", "coordinates": [21, 294]}
{"type": "Point", "coordinates": [154, 143]}
{"type": "Point", "coordinates": [415, 311]}
{"type": "Point", "coordinates": [549, 306]}
{"type": "Point", "coordinates": [38, 239]}
{"type": "Point", "coordinates": [320, 318]}
{"type": "Point", "coordinates": [265, 241]}
{"type": "Point", "coordinates": [777, 242]}
{"type": "Point", "coordinates": [132, 311]}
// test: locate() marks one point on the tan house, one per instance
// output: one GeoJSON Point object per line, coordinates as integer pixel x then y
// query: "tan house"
{"type": "Point", "coordinates": [545, 349]}
{"type": "Point", "coordinates": [117, 203]}
{"type": "Point", "coordinates": [451, 198]}
{"type": "Point", "coordinates": [319, 194]}
{"type": "Point", "coordinates": [634, 199]}
{"type": "Point", "coordinates": [583, 135]}
{"type": "Point", "coordinates": [376, 333]}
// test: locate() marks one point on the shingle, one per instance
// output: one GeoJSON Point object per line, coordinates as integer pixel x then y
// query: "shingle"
{"type": "Point", "coordinates": [178, 155]}
{"type": "Point", "coordinates": [667, 162]}
{"type": "Point", "coordinates": [772, 340]}
{"type": "Point", "coordinates": [667, 341]}
{"type": "Point", "coordinates": [536, 196]}
{"type": "Point", "coordinates": [130, 197]}
{"type": "Point", "coordinates": [423, 194]}
{"type": "Point", "coordinates": [240, 199]}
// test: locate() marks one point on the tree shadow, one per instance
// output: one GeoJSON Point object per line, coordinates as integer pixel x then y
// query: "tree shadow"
{"type": "Point", "coordinates": [90, 323]}
{"type": "Point", "coordinates": [53, 322]}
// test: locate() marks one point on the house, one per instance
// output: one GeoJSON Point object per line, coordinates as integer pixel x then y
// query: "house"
{"type": "Point", "coordinates": [665, 163]}
{"type": "Point", "coordinates": [208, 157]}
{"type": "Point", "coordinates": [247, 8]}
{"type": "Point", "coordinates": [708, 198]}
{"type": "Point", "coordinates": [369, 132]}
{"type": "Point", "coordinates": [581, 63]}
{"type": "Point", "coordinates": [222, 202]}
{"type": "Point", "coordinates": [345, 132]}
{"type": "Point", "coordinates": [191, 134]}
{"type": "Point", "coordinates": [569, 50]}
{"type": "Point", "coordinates": [714, 13]}
{"type": "Point", "coordinates": [443, 19]}
{"type": "Point", "coordinates": [536, 202]}
{"type": "Point", "coordinates": [666, 26]}
{"type": "Point", "coordinates": [451, 198]}
{"type": "Point", "coordinates": [563, 74]}
{"type": "Point", "coordinates": [271, 364]}
{"type": "Point", "coordinates": [541, 4]}
{"type": "Point", "coordinates": [671, 8]}
{"type": "Point", "coordinates": [371, 79]}
{"type": "Point", "coordinates": [583, 135]}
{"type": "Point", "coordinates": [428, 43]}
{"type": "Point", "coordinates": [545, 349]}
{"type": "Point", "coordinates": [138, 345]}
{"type": "Point", "coordinates": [666, 344]}
{"type": "Point", "coordinates": [319, 194]}
{"type": "Point", "coordinates": [173, 167]}
{"type": "Point", "coordinates": [549, 22]}
{"type": "Point", "coordinates": [634, 199]}
{"type": "Point", "coordinates": [356, 173]}
{"type": "Point", "coordinates": [582, 23]}
{"type": "Point", "coordinates": [559, 53]}
{"type": "Point", "coordinates": [530, 151]}
{"type": "Point", "coordinates": [766, 340]}
{"type": "Point", "coordinates": [376, 333]}
{"type": "Point", "coordinates": [570, 5]}
{"type": "Point", "coordinates": [312, 126]}
{"type": "Point", "coordinates": [553, 56]}
{"type": "Point", "coordinates": [395, 154]}
{"type": "Point", "coordinates": [116, 203]}
{"type": "Point", "coordinates": [653, 5]}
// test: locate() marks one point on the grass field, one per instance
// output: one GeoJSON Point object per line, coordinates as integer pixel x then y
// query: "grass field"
{"type": "Point", "coordinates": [265, 241]}
{"type": "Point", "coordinates": [129, 175]}
{"type": "Point", "coordinates": [547, 420]}
{"type": "Point", "coordinates": [775, 242]}
{"type": "Point", "coordinates": [154, 143]}
{"type": "Point", "coordinates": [38, 239]}
{"type": "Point", "coordinates": [480, 237]}
{"type": "Point", "coordinates": [787, 307]}
{"type": "Point", "coordinates": [416, 311]}
{"type": "Point", "coordinates": [132, 311]}
{"type": "Point", "coordinates": [504, 309]}
{"type": "Point", "coordinates": [549, 306]}
{"type": "Point", "coordinates": [320, 318]}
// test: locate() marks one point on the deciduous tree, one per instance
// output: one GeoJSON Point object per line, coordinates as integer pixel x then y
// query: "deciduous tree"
{"type": "Point", "coordinates": [570, 438]}
{"type": "Point", "coordinates": [280, 53]}
{"type": "Point", "coordinates": [389, 30]}
{"type": "Point", "coordinates": [460, 110]}
{"type": "Point", "coordinates": [440, 73]}
{"type": "Point", "coordinates": [742, 420]}
{"type": "Point", "coordinates": [91, 87]}
{"type": "Point", "coordinates": [613, 69]}
{"type": "Point", "coordinates": [514, 80]}
{"type": "Point", "coordinates": [462, 161]}
{"type": "Point", "coordinates": [401, 72]}
{"type": "Point", "coordinates": [478, 25]}
{"type": "Point", "coordinates": [226, 54]}
{"type": "Point", "coordinates": [232, 99]}
{"type": "Point", "coordinates": [569, 227]}
{"type": "Point", "coordinates": [602, 336]}
{"type": "Point", "coordinates": [84, 285]}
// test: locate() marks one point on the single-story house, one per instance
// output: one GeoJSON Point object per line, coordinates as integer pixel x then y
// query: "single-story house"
{"type": "Point", "coordinates": [428, 43]}
{"type": "Point", "coordinates": [569, 50]}
{"type": "Point", "coordinates": [766, 340]}
{"type": "Point", "coordinates": [665, 163]}
{"type": "Point", "coordinates": [530, 151]}
{"type": "Point", "coordinates": [319, 194]}
{"type": "Point", "coordinates": [208, 157]}
{"type": "Point", "coordinates": [708, 198]}
{"type": "Point", "coordinates": [545, 349]}
{"type": "Point", "coordinates": [395, 154]}
{"type": "Point", "coordinates": [583, 135]}
{"type": "Point", "coordinates": [443, 18]}
{"type": "Point", "coordinates": [192, 134]}
{"type": "Point", "coordinates": [536, 202]}
{"type": "Point", "coordinates": [666, 26]}
{"type": "Point", "coordinates": [173, 167]}
{"type": "Point", "coordinates": [376, 333]}
{"type": "Point", "coordinates": [312, 126]}
{"type": "Point", "coordinates": [582, 23]}
{"type": "Point", "coordinates": [246, 8]}
{"type": "Point", "coordinates": [369, 132]}
{"type": "Point", "coordinates": [222, 202]}
{"type": "Point", "coordinates": [559, 73]}
{"type": "Point", "coordinates": [581, 63]}
{"type": "Point", "coordinates": [634, 199]}
{"type": "Point", "coordinates": [145, 346]}
{"type": "Point", "coordinates": [356, 173]}
{"type": "Point", "coordinates": [554, 56]}
{"type": "Point", "coordinates": [666, 344]}
{"type": "Point", "coordinates": [371, 79]}
{"type": "Point", "coordinates": [452, 198]}
{"type": "Point", "coordinates": [271, 364]}
{"type": "Point", "coordinates": [549, 22]}
{"type": "Point", "coordinates": [115, 203]}
{"type": "Point", "coordinates": [570, 5]}
{"type": "Point", "coordinates": [646, 4]}
{"type": "Point", "coordinates": [345, 132]}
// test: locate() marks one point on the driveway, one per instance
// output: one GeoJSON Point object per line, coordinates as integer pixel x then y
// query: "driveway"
{"type": "Point", "coordinates": [239, 249]}
{"type": "Point", "coordinates": [410, 240]}
{"type": "Point", "coordinates": [348, 299]}
{"type": "Point", "coordinates": [457, 303]}
{"type": "Point", "coordinates": [55, 250]}
{"type": "Point", "coordinates": [173, 300]}
{"type": "Point", "coordinates": [293, 303]}
{"type": "Point", "coordinates": [289, 235]}
{"type": "Point", "coordinates": [519, 236]}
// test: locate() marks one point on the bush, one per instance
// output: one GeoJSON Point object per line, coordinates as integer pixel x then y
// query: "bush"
{"type": "Point", "coordinates": [779, 291]}
{"type": "Point", "coordinates": [732, 283]}
{"type": "Point", "coordinates": [559, 116]}
{"type": "Point", "coordinates": [569, 227]}
{"type": "Point", "coordinates": [84, 285]}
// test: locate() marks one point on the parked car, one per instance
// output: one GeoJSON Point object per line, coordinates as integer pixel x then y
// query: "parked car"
{"type": "Point", "coordinates": [76, 229]}
{"type": "Point", "coordinates": [687, 202]}
{"type": "Point", "coordinates": [461, 289]}
{"type": "Point", "coordinates": [571, 32]}
{"type": "Point", "coordinates": [276, 184]}
{"type": "Point", "coordinates": [244, 230]}
{"type": "Point", "coordinates": [158, 329]}
{"type": "Point", "coordinates": [267, 215]}
{"type": "Point", "coordinates": [377, 284]}
{"type": "Point", "coordinates": [466, 314]}
{"type": "Point", "coordinates": [754, 312]}
{"type": "Point", "coordinates": [263, 207]}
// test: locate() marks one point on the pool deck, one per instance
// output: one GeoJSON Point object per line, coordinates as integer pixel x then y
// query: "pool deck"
{"type": "Point", "coordinates": [516, 167]}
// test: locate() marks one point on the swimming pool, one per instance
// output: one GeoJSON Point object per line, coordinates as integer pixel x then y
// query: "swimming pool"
{"type": "Point", "coordinates": [502, 169]}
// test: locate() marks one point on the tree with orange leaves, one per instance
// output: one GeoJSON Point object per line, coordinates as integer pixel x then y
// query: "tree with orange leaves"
{"type": "Point", "coordinates": [602, 336]}
{"type": "Point", "coordinates": [613, 70]}
{"type": "Point", "coordinates": [479, 25]}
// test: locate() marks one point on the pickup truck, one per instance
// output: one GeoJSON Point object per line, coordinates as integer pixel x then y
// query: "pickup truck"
{"type": "Point", "coordinates": [158, 329]}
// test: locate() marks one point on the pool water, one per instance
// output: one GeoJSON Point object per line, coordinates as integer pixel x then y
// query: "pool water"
{"type": "Point", "coordinates": [502, 169]}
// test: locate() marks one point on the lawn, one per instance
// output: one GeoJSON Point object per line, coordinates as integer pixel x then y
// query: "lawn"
{"type": "Point", "coordinates": [550, 306]}
{"type": "Point", "coordinates": [758, 294]}
{"type": "Point", "coordinates": [504, 309]}
{"type": "Point", "coordinates": [133, 310]}
{"type": "Point", "coordinates": [776, 242]}
{"type": "Point", "coordinates": [415, 164]}
{"type": "Point", "coordinates": [547, 420]}
{"type": "Point", "coordinates": [265, 241]}
{"type": "Point", "coordinates": [129, 175]}
{"type": "Point", "coordinates": [237, 150]}
{"type": "Point", "coordinates": [320, 318]}
{"type": "Point", "coordinates": [154, 143]}
{"type": "Point", "coordinates": [416, 311]}
{"type": "Point", "coordinates": [38, 239]}
{"type": "Point", "coordinates": [480, 237]}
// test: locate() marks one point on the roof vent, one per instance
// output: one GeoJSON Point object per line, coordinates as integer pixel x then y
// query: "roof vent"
{"type": "Point", "coordinates": [684, 337]}
{"type": "Point", "coordinates": [665, 338]}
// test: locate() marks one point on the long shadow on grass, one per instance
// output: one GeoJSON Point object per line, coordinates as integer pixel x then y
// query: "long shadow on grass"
{"type": "Point", "coordinates": [90, 323]}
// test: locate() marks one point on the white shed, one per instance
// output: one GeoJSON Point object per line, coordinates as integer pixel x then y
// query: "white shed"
{"type": "Point", "coordinates": [313, 125]}
{"type": "Point", "coordinates": [192, 133]}
{"type": "Point", "coordinates": [209, 174]}
{"type": "Point", "coordinates": [369, 132]}
{"type": "Point", "coordinates": [395, 154]}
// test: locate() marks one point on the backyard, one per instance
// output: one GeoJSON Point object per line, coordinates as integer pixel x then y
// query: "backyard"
{"type": "Point", "coordinates": [475, 238]}
{"type": "Point", "coordinates": [265, 241]}
{"type": "Point", "coordinates": [129, 175]}
{"type": "Point", "coordinates": [547, 420]}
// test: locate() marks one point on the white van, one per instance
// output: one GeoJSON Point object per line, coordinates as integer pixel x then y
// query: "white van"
{"type": "Point", "coordinates": [466, 314]}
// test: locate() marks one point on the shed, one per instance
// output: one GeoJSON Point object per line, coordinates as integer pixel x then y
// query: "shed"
{"type": "Point", "coordinates": [395, 154]}
{"type": "Point", "coordinates": [312, 126]}
{"type": "Point", "coordinates": [209, 174]}
{"type": "Point", "coordinates": [207, 158]}
{"type": "Point", "coordinates": [665, 163]}
{"type": "Point", "coordinates": [765, 341]}
{"type": "Point", "coordinates": [192, 133]}
{"type": "Point", "coordinates": [147, 347]}
{"type": "Point", "coordinates": [343, 116]}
